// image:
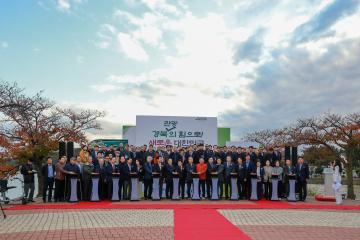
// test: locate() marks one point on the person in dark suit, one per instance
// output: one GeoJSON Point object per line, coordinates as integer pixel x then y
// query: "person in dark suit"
{"type": "Point", "coordinates": [288, 170]}
{"type": "Point", "coordinates": [239, 169]}
{"type": "Point", "coordinates": [228, 169]}
{"type": "Point", "coordinates": [159, 167]}
{"type": "Point", "coordinates": [71, 168]}
{"type": "Point", "coordinates": [272, 156]}
{"type": "Point", "coordinates": [248, 169]}
{"type": "Point", "coordinates": [167, 152]}
{"type": "Point", "coordinates": [182, 178]}
{"type": "Point", "coordinates": [150, 152]}
{"type": "Point", "coordinates": [140, 170]}
{"type": "Point", "coordinates": [199, 153]}
{"type": "Point", "coordinates": [88, 169]}
{"type": "Point", "coordinates": [302, 175]}
{"type": "Point", "coordinates": [261, 156]}
{"type": "Point", "coordinates": [209, 153]}
{"type": "Point", "coordinates": [102, 179]}
{"type": "Point", "coordinates": [260, 172]}
{"type": "Point", "coordinates": [220, 172]}
{"type": "Point", "coordinates": [126, 168]}
{"type": "Point", "coordinates": [169, 170]}
{"type": "Point", "coordinates": [211, 167]}
{"type": "Point", "coordinates": [252, 153]}
{"type": "Point", "coordinates": [94, 155]}
{"type": "Point", "coordinates": [189, 153]}
{"type": "Point", "coordinates": [148, 178]}
{"type": "Point", "coordinates": [48, 174]}
{"type": "Point", "coordinates": [190, 169]}
{"type": "Point", "coordinates": [110, 169]}
{"type": "Point", "coordinates": [175, 156]}
{"type": "Point", "coordinates": [27, 170]}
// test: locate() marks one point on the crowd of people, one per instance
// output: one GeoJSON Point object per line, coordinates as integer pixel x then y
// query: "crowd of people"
{"type": "Point", "coordinates": [144, 161]}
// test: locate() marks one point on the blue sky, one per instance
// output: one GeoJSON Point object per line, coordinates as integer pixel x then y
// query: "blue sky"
{"type": "Point", "coordinates": [254, 64]}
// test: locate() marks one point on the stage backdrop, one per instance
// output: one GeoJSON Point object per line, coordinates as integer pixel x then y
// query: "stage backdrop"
{"type": "Point", "coordinates": [179, 131]}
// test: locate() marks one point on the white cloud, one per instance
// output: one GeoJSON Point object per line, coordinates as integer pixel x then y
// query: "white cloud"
{"type": "Point", "coordinates": [197, 75]}
{"type": "Point", "coordinates": [193, 79]}
{"type": "Point", "coordinates": [148, 27]}
{"type": "Point", "coordinates": [106, 36]}
{"type": "Point", "coordinates": [103, 88]}
{"type": "Point", "coordinates": [162, 6]}
{"type": "Point", "coordinates": [64, 5]}
{"type": "Point", "coordinates": [131, 47]}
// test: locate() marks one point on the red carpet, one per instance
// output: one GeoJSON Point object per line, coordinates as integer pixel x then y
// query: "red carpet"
{"type": "Point", "coordinates": [170, 205]}
{"type": "Point", "coordinates": [204, 224]}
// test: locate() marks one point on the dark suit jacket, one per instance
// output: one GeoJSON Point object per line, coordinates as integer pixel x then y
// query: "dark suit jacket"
{"type": "Point", "coordinates": [125, 171]}
{"type": "Point", "coordinates": [87, 170]}
{"type": "Point", "coordinates": [148, 169]}
{"type": "Point", "coordinates": [28, 177]}
{"type": "Point", "coordinates": [210, 168]}
{"type": "Point", "coordinates": [45, 171]}
{"type": "Point", "coordinates": [208, 154]}
{"type": "Point", "coordinates": [249, 169]}
{"type": "Point", "coordinates": [160, 168]}
{"type": "Point", "coordinates": [197, 155]}
{"type": "Point", "coordinates": [189, 170]}
{"type": "Point", "coordinates": [272, 157]}
{"type": "Point", "coordinates": [169, 169]}
{"type": "Point", "coordinates": [175, 156]}
{"type": "Point", "coordinates": [220, 171]}
{"type": "Point", "coordinates": [149, 153]}
{"type": "Point", "coordinates": [109, 170]}
{"type": "Point", "coordinates": [101, 171]}
{"type": "Point", "coordinates": [228, 170]}
{"type": "Point", "coordinates": [187, 155]}
{"type": "Point", "coordinates": [262, 172]}
{"type": "Point", "coordinates": [303, 173]}
{"type": "Point", "coordinates": [94, 157]}
{"type": "Point", "coordinates": [240, 170]}
{"type": "Point", "coordinates": [182, 173]}
{"type": "Point", "coordinates": [72, 168]}
{"type": "Point", "coordinates": [287, 171]}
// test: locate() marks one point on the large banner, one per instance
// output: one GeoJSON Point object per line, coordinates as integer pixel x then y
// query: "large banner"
{"type": "Point", "coordinates": [175, 131]}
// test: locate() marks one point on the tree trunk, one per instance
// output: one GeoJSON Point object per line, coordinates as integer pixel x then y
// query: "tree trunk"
{"type": "Point", "coordinates": [349, 174]}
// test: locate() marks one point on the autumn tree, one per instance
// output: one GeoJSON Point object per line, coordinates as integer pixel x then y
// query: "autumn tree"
{"type": "Point", "coordinates": [319, 156]}
{"type": "Point", "coordinates": [340, 134]}
{"type": "Point", "coordinates": [32, 126]}
{"type": "Point", "coordinates": [266, 137]}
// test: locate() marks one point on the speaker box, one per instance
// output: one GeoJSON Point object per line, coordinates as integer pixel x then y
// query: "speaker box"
{"type": "Point", "coordinates": [287, 152]}
{"type": "Point", "coordinates": [70, 150]}
{"type": "Point", "coordinates": [294, 155]}
{"type": "Point", "coordinates": [62, 149]}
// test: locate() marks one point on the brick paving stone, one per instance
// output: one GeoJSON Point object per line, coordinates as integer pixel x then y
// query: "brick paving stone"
{"type": "Point", "coordinates": [293, 217]}
{"type": "Point", "coordinates": [86, 219]}
{"type": "Point", "coordinates": [133, 233]}
{"type": "Point", "coordinates": [261, 232]}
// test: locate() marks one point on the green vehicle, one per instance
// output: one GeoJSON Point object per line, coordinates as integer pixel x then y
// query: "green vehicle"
{"type": "Point", "coordinates": [108, 142]}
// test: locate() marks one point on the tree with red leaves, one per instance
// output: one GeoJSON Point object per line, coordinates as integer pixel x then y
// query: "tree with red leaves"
{"type": "Point", "coordinates": [339, 133]}
{"type": "Point", "coordinates": [32, 126]}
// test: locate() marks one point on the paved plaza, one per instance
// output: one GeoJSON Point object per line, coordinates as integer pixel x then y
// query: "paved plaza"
{"type": "Point", "coordinates": [188, 220]}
